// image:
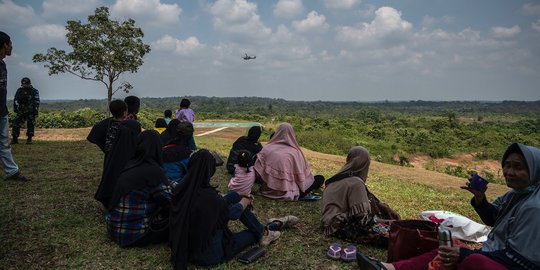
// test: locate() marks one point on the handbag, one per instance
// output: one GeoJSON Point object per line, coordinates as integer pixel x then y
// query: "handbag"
{"type": "Point", "coordinates": [409, 238]}
{"type": "Point", "coordinates": [251, 255]}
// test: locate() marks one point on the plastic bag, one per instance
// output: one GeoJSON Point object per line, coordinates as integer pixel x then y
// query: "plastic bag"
{"type": "Point", "coordinates": [461, 227]}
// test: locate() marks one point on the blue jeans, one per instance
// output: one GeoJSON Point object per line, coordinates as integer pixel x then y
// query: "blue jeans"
{"type": "Point", "coordinates": [10, 167]}
{"type": "Point", "coordinates": [215, 254]}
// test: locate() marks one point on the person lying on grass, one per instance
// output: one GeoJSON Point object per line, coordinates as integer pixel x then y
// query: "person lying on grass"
{"type": "Point", "coordinates": [141, 199]}
{"type": "Point", "coordinates": [250, 143]}
{"type": "Point", "coordinates": [514, 241]}
{"type": "Point", "coordinates": [349, 211]}
{"type": "Point", "coordinates": [282, 168]}
{"type": "Point", "coordinates": [200, 215]}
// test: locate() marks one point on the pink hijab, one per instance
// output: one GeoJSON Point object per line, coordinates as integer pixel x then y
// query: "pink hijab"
{"type": "Point", "coordinates": [282, 166]}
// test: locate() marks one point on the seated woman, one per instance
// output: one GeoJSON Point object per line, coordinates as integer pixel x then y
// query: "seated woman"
{"type": "Point", "coordinates": [176, 153]}
{"type": "Point", "coordinates": [349, 211]}
{"type": "Point", "coordinates": [283, 169]}
{"type": "Point", "coordinates": [200, 216]}
{"type": "Point", "coordinates": [514, 241]}
{"type": "Point", "coordinates": [141, 197]}
{"type": "Point", "coordinates": [250, 143]}
{"type": "Point", "coordinates": [169, 132]}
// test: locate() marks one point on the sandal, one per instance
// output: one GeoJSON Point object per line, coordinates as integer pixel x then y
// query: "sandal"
{"type": "Point", "coordinates": [310, 198]}
{"type": "Point", "coordinates": [349, 254]}
{"type": "Point", "coordinates": [366, 263]}
{"type": "Point", "coordinates": [334, 251]}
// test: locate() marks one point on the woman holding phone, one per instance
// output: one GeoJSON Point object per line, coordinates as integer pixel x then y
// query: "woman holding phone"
{"type": "Point", "coordinates": [514, 241]}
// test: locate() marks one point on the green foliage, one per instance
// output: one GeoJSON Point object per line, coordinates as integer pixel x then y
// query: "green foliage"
{"type": "Point", "coordinates": [103, 50]}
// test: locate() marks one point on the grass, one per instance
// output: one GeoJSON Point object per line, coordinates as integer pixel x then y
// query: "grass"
{"type": "Point", "coordinates": [54, 222]}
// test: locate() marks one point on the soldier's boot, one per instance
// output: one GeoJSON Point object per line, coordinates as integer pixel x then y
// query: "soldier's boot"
{"type": "Point", "coordinates": [29, 140]}
{"type": "Point", "coordinates": [15, 140]}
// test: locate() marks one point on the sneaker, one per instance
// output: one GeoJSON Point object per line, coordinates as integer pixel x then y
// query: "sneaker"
{"type": "Point", "coordinates": [286, 221]}
{"type": "Point", "coordinates": [269, 237]}
{"type": "Point", "coordinates": [17, 177]}
{"type": "Point", "coordinates": [29, 140]}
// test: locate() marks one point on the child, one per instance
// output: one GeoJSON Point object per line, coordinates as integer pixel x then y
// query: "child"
{"type": "Point", "coordinates": [160, 125]}
{"type": "Point", "coordinates": [185, 114]}
{"type": "Point", "coordinates": [244, 175]}
{"type": "Point", "coordinates": [168, 116]}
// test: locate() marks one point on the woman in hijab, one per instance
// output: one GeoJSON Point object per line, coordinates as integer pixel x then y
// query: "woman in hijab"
{"type": "Point", "coordinates": [250, 143]}
{"type": "Point", "coordinates": [349, 211]}
{"type": "Point", "coordinates": [141, 195]}
{"type": "Point", "coordinates": [170, 131]}
{"type": "Point", "coordinates": [176, 153]}
{"type": "Point", "coordinates": [283, 169]}
{"type": "Point", "coordinates": [200, 216]}
{"type": "Point", "coordinates": [514, 241]}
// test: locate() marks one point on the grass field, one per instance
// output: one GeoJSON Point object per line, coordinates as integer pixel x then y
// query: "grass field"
{"type": "Point", "coordinates": [54, 222]}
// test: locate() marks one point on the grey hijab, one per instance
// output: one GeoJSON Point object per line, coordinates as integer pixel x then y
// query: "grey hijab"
{"type": "Point", "coordinates": [518, 229]}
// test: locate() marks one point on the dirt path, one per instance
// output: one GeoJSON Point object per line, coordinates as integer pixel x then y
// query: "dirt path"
{"type": "Point", "coordinates": [416, 174]}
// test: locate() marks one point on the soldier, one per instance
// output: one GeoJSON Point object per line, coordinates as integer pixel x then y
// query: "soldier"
{"type": "Point", "coordinates": [26, 106]}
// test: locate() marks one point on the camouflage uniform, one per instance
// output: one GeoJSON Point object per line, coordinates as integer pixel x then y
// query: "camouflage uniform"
{"type": "Point", "coordinates": [26, 106]}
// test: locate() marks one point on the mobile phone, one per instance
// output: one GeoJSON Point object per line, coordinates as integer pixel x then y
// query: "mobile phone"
{"type": "Point", "coordinates": [478, 183]}
{"type": "Point", "coordinates": [251, 255]}
{"type": "Point", "coordinates": [445, 238]}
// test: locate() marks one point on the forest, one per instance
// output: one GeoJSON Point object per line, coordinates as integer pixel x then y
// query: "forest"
{"type": "Point", "coordinates": [392, 131]}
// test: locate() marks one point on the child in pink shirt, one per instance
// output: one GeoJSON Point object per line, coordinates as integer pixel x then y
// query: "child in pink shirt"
{"type": "Point", "coordinates": [244, 175]}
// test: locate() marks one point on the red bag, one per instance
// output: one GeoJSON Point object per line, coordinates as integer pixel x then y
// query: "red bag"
{"type": "Point", "coordinates": [410, 238]}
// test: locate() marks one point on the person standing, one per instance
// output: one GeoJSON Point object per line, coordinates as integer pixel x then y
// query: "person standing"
{"type": "Point", "coordinates": [10, 167]}
{"type": "Point", "coordinates": [26, 106]}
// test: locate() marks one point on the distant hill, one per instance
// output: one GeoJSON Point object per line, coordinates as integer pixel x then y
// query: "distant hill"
{"type": "Point", "coordinates": [272, 106]}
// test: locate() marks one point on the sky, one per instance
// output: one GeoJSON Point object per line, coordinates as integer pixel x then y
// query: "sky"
{"type": "Point", "coordinates": [330, 50]}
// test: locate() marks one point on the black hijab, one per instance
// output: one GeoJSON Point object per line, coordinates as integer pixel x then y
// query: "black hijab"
{"type": "Point", "coordinates": [144, 169]}
{"type": "Point", "coordinates": [197, 211]}
{"type": "Point", "coordinates": [178, 147]}
{"type": "Point", "coordinates": [169, 132]}
{"type": "Point", "coordinates": [250, 142]}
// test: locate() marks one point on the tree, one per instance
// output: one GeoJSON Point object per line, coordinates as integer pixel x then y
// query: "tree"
{"type": "Point", "coordinates": [103, 50]}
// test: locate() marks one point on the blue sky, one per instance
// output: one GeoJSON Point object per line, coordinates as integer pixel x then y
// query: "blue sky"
{"type": "Point", "coordinates": [336, 50]}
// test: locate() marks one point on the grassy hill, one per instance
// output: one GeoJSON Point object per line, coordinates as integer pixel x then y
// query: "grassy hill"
{"type": "Point", "coordinates": [54, 222]}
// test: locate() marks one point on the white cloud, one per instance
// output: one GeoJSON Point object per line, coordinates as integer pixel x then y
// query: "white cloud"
{"type": "Point", "coordinates": [239, 18]}
{"type": "Point", "coordinates": [288, 8]}
{"type": "Point", "coordinates": [151, 11]}
{"type": "Point", "coordinates": [13, 14]}
{"type": "Point", "coordinates": [386, 25]}
{"type": "Point", "coordinates": [46, 33]}
{"type": "Point", "coordinates": [531, 9]}
{"type": "Point", "coordinates": [341, 4]}
{"type": "Point", "coordinates": [536, 25]}
{"type": "Point", "coordinates": [505, 32]}
{"type": "Point", "coordinates": [180, 47]}
{"type": "Point", "coordinates": [52, 8]}
{"type": "Point", "coordinates": [312, 23]}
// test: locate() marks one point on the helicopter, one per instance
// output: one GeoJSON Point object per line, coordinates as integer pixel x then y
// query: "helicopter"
{"type": "Point", "coordinates": [249, 57]}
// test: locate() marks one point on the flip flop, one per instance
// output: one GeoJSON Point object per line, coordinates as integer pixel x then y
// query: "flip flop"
{"type": "Point", "coordinates": [310, 198]}
{"type": "Point", "coordinates": [349, 254]}
{"type": "Point", "coordinates": [334, 251]}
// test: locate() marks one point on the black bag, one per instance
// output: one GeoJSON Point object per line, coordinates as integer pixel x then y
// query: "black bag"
{"type": "Point", "coordinates": [251, 255]}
